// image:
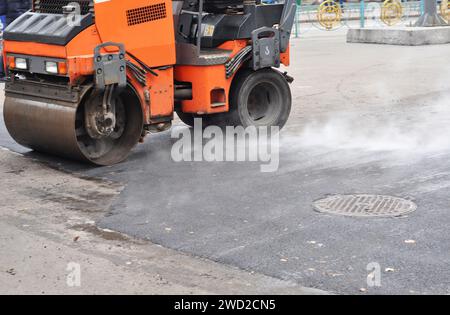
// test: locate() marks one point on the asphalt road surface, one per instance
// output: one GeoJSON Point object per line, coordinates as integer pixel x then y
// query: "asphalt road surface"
{"type": "Point", "coordinates": [366, 119]}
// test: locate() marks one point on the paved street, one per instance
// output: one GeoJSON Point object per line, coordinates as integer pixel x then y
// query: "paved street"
{"type": "Point", "coordinates": [366, 119]}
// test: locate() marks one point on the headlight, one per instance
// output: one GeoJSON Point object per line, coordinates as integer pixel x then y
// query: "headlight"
{"type": "Point", "coordinates": [55, 67]}
{"type": "Point", "coordinates": [21, 63]}
{"type": "Point", "coordinates": [51, 67]}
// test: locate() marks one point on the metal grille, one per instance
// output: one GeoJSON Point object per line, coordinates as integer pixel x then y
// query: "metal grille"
{"type": "Point", "coordinates": [365, 205]}
{"type": "Point", "coordinates": [56, 6]}
{"type": "Point", "coordinates": [146, 14]}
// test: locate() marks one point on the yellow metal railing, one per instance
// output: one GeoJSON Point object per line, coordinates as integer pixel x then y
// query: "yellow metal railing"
{"type": "Point", "coordinates": [329, 14]}
{"type": "Point", "coordinates": [391, 12]}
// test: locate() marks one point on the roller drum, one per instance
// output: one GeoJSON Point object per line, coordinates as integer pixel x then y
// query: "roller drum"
{"type": "Point", "coordinates": [59, 127]}
{"type": "Point", "coordinates": [43, 126]}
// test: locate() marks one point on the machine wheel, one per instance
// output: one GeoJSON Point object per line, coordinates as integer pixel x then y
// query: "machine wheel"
{"type": "Point", "coordinates": [115, 147]}
{"type": "Point", "coordinates": [259, 98]}
{"type": "Point", "coordinates": [187, 118]}
{"type": "Point", "coordinates": [61, 128]}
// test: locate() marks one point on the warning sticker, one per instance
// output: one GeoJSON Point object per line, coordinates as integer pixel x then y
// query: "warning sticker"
{"type": "Point", "coordinates": [208, 30]}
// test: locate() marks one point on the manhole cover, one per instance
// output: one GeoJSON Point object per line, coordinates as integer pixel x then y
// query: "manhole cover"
{"type": "Point", "coordinates": [365, 205]}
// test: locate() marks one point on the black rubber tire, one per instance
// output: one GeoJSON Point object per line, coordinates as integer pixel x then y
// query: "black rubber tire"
{"type": "Point", "coordinates": [207, 120]}
{"type": "Point", "coordinates": [187, 118]}
{"type": "Point", "coordinates": [256, 89]}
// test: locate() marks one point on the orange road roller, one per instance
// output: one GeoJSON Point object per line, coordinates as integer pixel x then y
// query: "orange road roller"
{"type": "Point", "coordinates": [89, 79]}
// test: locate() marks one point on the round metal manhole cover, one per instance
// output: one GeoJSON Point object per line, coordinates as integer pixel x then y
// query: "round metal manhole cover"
{"type": "Point", "coordinates": [365, 205]}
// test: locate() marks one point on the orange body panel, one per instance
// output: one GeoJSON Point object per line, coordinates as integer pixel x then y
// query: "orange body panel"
{"type": "Point", "coordinates": [285, 58]}
{"type": "Point", "coordinates": [206, 82]}
{"type": "Point", "coordinates": [78, 52]}
{"type": "Point", "coordinates": [205, 79]}
{"type": "Point", "coordinates": [161, 93]}
{"type": "Point", "coordinates": [34, 49]}
{"type": "Point", "coordinates": [83, 44]}
{"type": "Point", "coordinates": [144, 26]}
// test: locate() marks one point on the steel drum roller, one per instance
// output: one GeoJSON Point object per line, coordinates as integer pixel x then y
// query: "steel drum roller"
{"type": "Point", "coordinates": [58, 128]}
{"type": "Point", "coordinates": [41, 126]}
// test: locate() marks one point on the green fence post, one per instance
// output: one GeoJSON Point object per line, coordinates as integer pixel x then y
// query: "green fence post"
{"type": "Point", "coordinates": [361, 13]}
{"type": "Point", "coordinates": [297, 18]}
